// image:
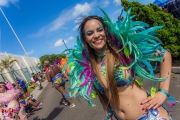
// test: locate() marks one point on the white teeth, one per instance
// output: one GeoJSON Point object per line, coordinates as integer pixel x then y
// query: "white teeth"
{"type": "Point", "coordinates": [98, 41]}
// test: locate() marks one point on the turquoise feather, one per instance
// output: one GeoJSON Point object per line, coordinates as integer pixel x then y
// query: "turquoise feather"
{"type": "Point", "coordinates": [134, 36]}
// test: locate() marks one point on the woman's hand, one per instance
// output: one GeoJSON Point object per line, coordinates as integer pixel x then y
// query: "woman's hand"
{"type": "Point", "coordinates": [65, 76]}
{"type": "Point", "coordinates": [154, 102]}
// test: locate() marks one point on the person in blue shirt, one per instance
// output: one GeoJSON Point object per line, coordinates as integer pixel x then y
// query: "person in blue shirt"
{"type": "Point", "coordinates": [22, 85]}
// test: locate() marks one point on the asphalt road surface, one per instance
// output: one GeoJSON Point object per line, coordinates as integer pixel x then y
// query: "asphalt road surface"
{"type": "Point", "coordinates": [53, 110]}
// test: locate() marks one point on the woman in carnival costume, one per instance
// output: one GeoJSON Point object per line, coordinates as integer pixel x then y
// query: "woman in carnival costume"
{"type": "Point", "coordinates": [108, 58]}
{"type": "Point", "coordinates": [54, 75]}
{"type": "Point", "coordinates": [61, 63]}
{"type": "Point", "coordinates": [9, 105]}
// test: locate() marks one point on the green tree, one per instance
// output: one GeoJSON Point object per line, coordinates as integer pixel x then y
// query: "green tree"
{"type": "Point", "coordinates": [40, 66]}
{"type": "Point", "coordinates": [153, 15]}
{"type": "Point", "coordinates": [8, 63]}
{"type": "Point", "coordinates": [52, 57]}
{"type": "Point", "coordinates": [1, 70]}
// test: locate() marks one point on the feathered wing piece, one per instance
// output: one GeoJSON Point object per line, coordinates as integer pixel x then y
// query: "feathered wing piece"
{"type": "Point", "coordinates": [136, 47]}
{"type": "Point", "coordinates": [80, 73]}
{"type": "Point", "coordinates": [135, 44]}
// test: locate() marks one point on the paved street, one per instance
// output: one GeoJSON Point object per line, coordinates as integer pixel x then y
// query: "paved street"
{"type": "Point", "coordinates": [174, 91]}
{"type": "Point", "coordinates": [52, 110]}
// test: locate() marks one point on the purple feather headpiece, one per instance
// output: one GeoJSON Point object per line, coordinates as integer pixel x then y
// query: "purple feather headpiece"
{"type": "Point", "coordinates": [57, 62]}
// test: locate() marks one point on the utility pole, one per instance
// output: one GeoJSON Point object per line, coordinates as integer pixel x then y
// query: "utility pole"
{"type": "Point", "coordinates": [17, 38]}
{"type": "Point", "coordinates": [65, 44]}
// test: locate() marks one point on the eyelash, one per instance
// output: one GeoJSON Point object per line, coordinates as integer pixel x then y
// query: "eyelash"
{"type": "Point", "coordinates": [90, 33]}
{"type": "Point", "coordinates": [100, 29]}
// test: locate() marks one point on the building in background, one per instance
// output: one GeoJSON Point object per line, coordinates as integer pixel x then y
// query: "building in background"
{"type": "Point", "coordinates": [21, 69]}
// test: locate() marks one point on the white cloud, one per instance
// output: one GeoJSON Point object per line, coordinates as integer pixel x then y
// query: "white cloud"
{"type": "Point", "coordinates": [7, 2]}
{"type": "Point", "coordinates": [30, 52]}
{"type": "Point", "coordinates": [83, 9]}
{"type": "Point", "coordinates": [78, 19]}
{"type": "Point", "coordinates": [70, 38]}
{"type": "Point", "coordinates": [59, 22]}
{"type": "Point", "coordinates": [65, 28]}
{"type": "Point", "coordinates": [59, 43]}
{"type": "Point", "coordinates": [105, 3]}
{"type": "Point", "coordinates": [117, 12]}
{"type": "Point", "coordinates": [76, 27]}
{"type": "Point", "coordinates": [117, 2]}
{"type": "Point", "coordinates": [64, 17]}
{"type": "Point", "coordinates": [3, 2]}
{"type": "Point", "coordinates": [13, 1]}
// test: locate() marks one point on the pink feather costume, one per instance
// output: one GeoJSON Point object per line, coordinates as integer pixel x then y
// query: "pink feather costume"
{"type": "Point", "coordinates": [9, 107]}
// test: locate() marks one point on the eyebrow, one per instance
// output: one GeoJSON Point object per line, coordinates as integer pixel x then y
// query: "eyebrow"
{"type": "Point", "coordinates": [100, 26]}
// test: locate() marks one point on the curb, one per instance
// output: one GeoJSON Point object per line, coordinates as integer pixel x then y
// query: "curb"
{"type": "Point", "coordinates": [36, 93]}
{"type": "Point", "coordinates": [176, 70]}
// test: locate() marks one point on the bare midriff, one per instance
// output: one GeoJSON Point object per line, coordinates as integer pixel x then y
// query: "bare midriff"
{"type": "Point", "coordinates": [130, 98]}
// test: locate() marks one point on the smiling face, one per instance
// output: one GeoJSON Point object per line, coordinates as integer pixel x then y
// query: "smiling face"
{"type": "Point", "coordinates": [2, 89]}
{"type": "Point", "coordinates": [95, 35]}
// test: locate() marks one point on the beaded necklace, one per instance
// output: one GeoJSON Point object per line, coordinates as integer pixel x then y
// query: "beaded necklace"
{"type": "Point", "coordinates": [102, 54]}
{"type": "Point", "coordinates": [103, 67]}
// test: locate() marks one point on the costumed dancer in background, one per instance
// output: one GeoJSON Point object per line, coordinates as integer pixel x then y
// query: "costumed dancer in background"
{"type": "Point", "coordinates": [108, 58]}
{"type": "Point", "coordinates": [54, 75]}
{"type": "Point", "coordinates": [9, 105]}
{"type": "Point", "coordinates": [61, 63]}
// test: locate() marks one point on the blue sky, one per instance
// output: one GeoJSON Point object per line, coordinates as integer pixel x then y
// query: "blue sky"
{"type": "Point", "coordinates": [41, 25]}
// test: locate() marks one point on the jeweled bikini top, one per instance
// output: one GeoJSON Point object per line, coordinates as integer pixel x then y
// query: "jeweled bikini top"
{"type": "Point", "coordinates": [119, 77]}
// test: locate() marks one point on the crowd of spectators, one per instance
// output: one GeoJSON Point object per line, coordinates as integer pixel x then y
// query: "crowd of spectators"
{"type": "Point", "coordinates": [16, 103]}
